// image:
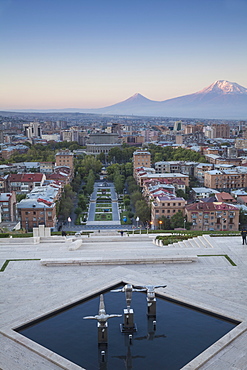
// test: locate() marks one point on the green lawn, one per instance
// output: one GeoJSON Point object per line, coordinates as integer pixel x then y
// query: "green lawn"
{"type": "Point", "coordinates": [103, 217]}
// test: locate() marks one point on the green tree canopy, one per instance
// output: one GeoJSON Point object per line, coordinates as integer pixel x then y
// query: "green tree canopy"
{"type": "Point", "coordinates": [142, 210]}
{"type": "Point", "coordinates": [90, 182]}
{"type": "Point", "coordinates": [177, 220]}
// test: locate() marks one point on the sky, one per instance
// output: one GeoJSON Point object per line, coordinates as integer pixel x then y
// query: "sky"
{"type": "Point", "coordinates": [94, 53]}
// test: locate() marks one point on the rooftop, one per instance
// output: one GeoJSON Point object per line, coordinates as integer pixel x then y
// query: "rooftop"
{"type": "Point", "coordinates": [25, 177]}
{"type": "Point", "coordinates": [4, 197]}
{"type": "Point", "coordinates": [34, 203]}
{"type": "Point", "coordinates": [211, 206]}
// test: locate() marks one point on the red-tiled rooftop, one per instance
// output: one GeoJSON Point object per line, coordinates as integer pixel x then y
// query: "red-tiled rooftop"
{"type": "Point", "coordinates": [223, 197]}
{"type": "Point", "coordinates": [25, 177]}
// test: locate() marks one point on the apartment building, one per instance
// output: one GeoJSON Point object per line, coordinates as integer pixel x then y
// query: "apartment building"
{"type": "Point", "coordinates": [65, 158]}
{"type": "Point", "coordinates": [167, 166]}
{"type": "Point", "coordinates": [46, 167]}
{"type": "Point", "coordinates": [200, 170]}
{"type": "Point", "coordinates": [203, 193]}
{"type": "Point", "coordinates": [217, 130]}
{"type": "Point", "coordinates": [140, 177]}
{"type": "Point", "coordinates": [166, 206]}
{"type": "Point", "coordinates": [141, 158]}
{"type": "Point", "coordinates": [212, 216]}
{"type": "Point", "coordinates": [192, 128]}
{"type": "Point", "coordinates": [7, 206]}
{"type": "Point", "coordinates": [227, 179]}
{"type": "Point", "coordinates": [24, 182]}
{"type": "Point", "coordinates": [186, 168]}
{"type": "Point", "coordinates": [35, 212]}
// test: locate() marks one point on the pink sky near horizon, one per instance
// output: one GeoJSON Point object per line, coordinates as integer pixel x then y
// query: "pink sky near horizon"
{"type": "Point", "coordinates": [91, 54]}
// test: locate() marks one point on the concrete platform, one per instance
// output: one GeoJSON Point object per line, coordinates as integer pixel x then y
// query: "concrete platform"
{"type": "Point", "coordinates": [30, 290]}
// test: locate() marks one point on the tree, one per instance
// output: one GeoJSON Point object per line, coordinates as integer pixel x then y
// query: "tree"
{"type": "Point", "coordinates": [82, 202]}
{"type": "Point", "coordinates": [66, 203]}
{"type": "Point", "coordinates": [142, 210]}
{"type": "Point", "coordinates": [177, 220]}
{"type": "Point", "coordinates": [128, 169]}
{"type": "Point", "coordinates": [83, 166]}
{"type": "Point", "coordinates": [90, 182]}
{"type": "Point", "coordinates": [166, 223]}
{"type": "Point", "coordinates": [111, 171]}
{"type": "Point", "coordinates": [102, 157]}
{"type": "Point", "coordinates": [78, 211]}
{"type": "Point", "coordinates": [115, 155]}
{"type": "Point", "coordinates": [19, 197]}
{"type": "Point", "coordinates": [118, 182]}
{"type": "Point", "coordinates": [135, 196]}
{"type": "Point", "coordinates": [158, 157]}
{"type": "Point", "coordinates": [181, 194]}
{"type": "Point", "coordinates": [76, 183]}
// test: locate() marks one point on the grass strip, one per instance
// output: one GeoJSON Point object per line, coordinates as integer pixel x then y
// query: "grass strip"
{"type": "Point", "coordinates": [219, 255]}
{"type": "Point", "coordinates": [8, 261]}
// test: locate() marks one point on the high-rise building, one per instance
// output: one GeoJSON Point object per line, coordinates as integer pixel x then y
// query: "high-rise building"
{"type": "Point", "coordinates": [221, 130]}
{"type": "Point", "coordinates": [32, 129]}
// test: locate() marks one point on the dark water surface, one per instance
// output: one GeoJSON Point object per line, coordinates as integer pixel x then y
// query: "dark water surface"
{"type": "Point", "coordinates": [181, 334]}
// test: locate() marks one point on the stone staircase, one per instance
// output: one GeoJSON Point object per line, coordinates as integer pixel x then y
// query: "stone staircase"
{"type": "Point", "coordinates": [204, 241]}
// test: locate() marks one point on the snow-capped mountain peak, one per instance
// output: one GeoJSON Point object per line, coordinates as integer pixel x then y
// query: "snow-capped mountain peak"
{"type": "Point", "coordinates": [137, 97]}
{"type": "Point", "coordinates": [224, 87]}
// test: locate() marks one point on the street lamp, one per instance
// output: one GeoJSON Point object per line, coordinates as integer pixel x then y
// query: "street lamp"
{"type": "Point", "coordinates": [160, 222]}
{"type": "Point", "coordinates": [184, 222]}
{"type": "Point", "coordinates": [147, 227]}
{"type": "Point", "coordinates": [137, 220]}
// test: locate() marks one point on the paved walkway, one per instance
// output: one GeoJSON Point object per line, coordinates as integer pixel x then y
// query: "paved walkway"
{"type": "Point", "coordinates": [92, 207]}
{"type": "Point", "coordinates": [29, 290]}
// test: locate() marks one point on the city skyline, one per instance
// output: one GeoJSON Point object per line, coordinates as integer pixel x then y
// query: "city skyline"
{"type": "Point", "coordinates": [90, 54]}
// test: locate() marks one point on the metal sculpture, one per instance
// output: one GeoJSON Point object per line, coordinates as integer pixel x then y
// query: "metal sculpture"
{"type": "Point", "coordinates": [102, 318]}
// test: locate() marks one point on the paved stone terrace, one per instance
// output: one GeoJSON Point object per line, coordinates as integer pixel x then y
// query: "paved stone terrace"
{"type": "Point", "coordinates": [30, 290]}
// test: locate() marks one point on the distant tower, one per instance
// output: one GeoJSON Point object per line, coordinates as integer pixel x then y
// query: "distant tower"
{"type": "Point", "coordinates": [32, 129]}
{"type": "Point", "coordinates": [177, 126]}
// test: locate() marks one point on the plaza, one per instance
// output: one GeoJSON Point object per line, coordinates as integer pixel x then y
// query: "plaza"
{"type": "Point", "coordinates": [43, 275]}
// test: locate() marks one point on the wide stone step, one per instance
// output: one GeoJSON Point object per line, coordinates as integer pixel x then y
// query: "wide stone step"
{"type": "Point", "coordinates": [117, 261]}
{"type": "Point", "coordinates": [208, 241]}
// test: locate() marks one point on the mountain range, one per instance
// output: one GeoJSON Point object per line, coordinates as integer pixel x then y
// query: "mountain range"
{"type": "Point", "coordinates": [221, 99]}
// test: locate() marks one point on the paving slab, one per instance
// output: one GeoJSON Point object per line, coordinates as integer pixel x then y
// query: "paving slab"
{"type": "Point", "coordinates": [30, 290]}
